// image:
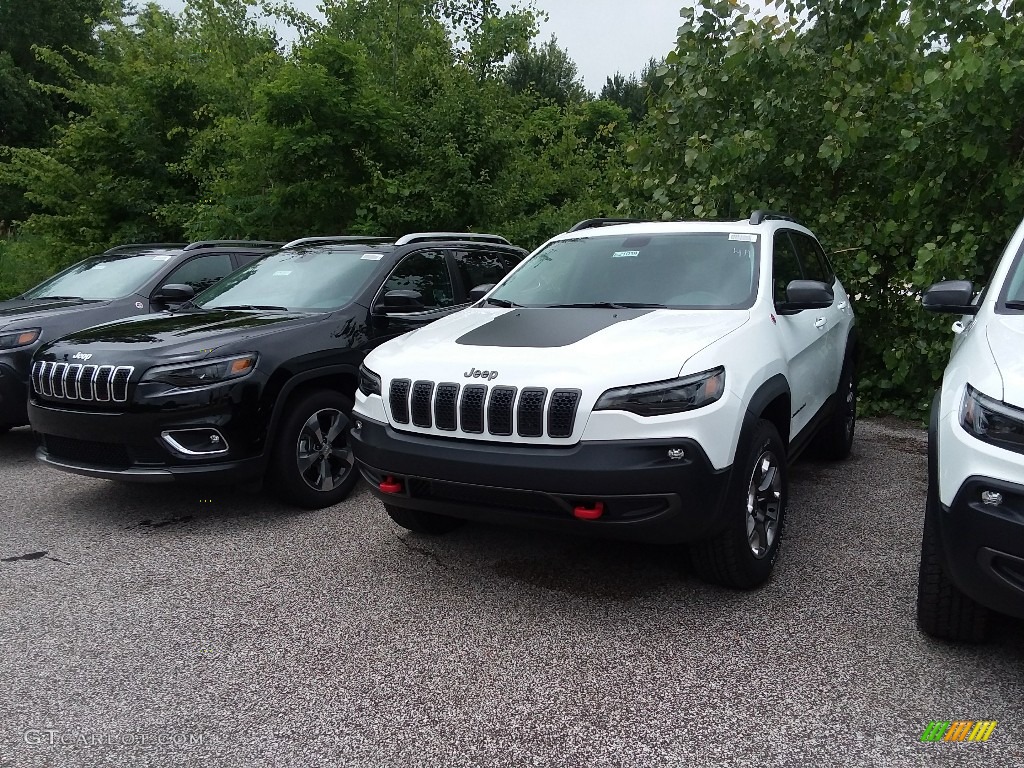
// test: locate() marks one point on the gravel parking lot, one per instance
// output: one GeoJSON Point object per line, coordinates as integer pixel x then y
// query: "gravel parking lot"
{"type": "Point", "coordinates": [174, 626]}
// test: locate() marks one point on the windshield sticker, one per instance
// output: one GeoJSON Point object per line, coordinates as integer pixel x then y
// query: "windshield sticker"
{"type": "Point", "coordinates": [282, 272]}
{"type": "Point", "coordinates": [744, 237]}
{"type": "Point", "coordinates": [162, 258]}
{"type": "Point", "coordinates": [372, 256]}
{"type": "Point", "coordinates": [625, 254]}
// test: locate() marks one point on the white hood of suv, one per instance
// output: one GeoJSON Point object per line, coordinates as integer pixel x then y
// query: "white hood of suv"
{"type": "Point", "coordinates": [580, 348]}
{"type": "Point", "coordinates": [1006, 340]}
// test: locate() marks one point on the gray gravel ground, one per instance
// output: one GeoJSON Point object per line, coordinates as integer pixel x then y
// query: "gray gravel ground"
{"type": "Point", "coordinates": [239, 633]}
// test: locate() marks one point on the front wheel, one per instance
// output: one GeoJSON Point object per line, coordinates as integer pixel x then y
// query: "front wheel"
{"type": "Point", "coordinates": [835, 441]}
{"type": "Point", "coordinates": [312, 464]}
{"type": "Point", "coordinates": [743, 555]}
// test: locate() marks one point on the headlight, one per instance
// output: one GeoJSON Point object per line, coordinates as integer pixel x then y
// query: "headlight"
{"type": "Point", "coordinates": [993, 421]}
{"type": "Point", "coordinates": [202, 374]}
{"type": "Point", "coordinates": [672, 396]}
{"type": "Point", "coordinates": [12, 339]}
{"type": "Point", "coordinates": [369, 382]}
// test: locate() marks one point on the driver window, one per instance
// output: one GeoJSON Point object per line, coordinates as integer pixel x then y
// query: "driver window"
{"type": "Point", "coordinates": [426, 272]}
{"type": "Point", "coordinates": [785, 265]}
{"type": "Point", "coordinates": [201, 272]}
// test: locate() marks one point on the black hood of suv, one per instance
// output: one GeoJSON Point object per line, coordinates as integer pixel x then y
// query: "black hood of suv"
{"type": "Point", "coordinates": [28, 311]}
{"type": "Point", "coordinates": [170, 332]}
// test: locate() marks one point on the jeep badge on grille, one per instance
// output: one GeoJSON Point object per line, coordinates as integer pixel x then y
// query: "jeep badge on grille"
{"type": "Point", "coordinates": [476, 373]}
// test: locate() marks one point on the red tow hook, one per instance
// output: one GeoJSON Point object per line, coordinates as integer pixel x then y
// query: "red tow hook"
{"type": "Point", "coordinates": [589, 513]}
{"type": "Point", "coordinates": [390, 485]}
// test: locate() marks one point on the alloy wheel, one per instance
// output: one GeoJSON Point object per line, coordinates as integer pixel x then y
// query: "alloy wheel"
{"type": "Point", "coordinates": [764, 504]}
{"type": "Point", "coordinates": [322, 452]}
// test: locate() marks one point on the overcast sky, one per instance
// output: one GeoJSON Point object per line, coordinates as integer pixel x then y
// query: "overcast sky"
{"type": "Point", "coordinates": [601, 36]}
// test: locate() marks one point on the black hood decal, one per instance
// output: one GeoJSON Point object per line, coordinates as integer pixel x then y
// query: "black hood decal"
{"type": "Point", "coordinates": [546, 326]}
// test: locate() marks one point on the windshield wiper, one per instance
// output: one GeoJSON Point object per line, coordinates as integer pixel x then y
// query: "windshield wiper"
{"type": "Point", "coordinates": [502, 303]}
{"type": "Point", "coordinates": [62, 298]}
{"type": "Point", "coordinates": [249, 306]}
{"type": "Point", "coordinates": [607, 305]}
{"type": "Point", "coordinates": [1015, 305]}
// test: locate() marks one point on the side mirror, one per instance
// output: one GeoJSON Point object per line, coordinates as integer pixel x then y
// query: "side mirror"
{"type": "Point", "coordinates": [480, 291]}
{"type": "Point", "coordinates": [402, 301]}
{"type": "Point", "coordinates": [955, 296]}
{"type": "Point", "coordinates": [807, 294]}
{"type": "Point", "coordinates": [173, 293]}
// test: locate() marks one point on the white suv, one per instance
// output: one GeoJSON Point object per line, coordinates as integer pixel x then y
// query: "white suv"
{"type": "Point", "coordinates": [972, 556]}
{"type": "Point", "coordinates": [640, 380]}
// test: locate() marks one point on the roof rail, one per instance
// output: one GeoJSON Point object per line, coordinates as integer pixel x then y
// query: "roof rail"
{"type": "Point", "coordinates": [758, 216]}
{"type": "Point", "coordinates": [591, 223]}
{"type": "Point", "coordinates": [138, 246]}
{"type": "Point", "coordinates": [201, 244]}
{"type": "Point", "coordinates": [419, 237]}
{"type": "Point", "coordinates": [354, 239]}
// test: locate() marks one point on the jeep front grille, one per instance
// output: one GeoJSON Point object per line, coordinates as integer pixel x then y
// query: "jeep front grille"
{"type": "Point", "coordinates": [477, 409]}
{"type": "Point", "coordinates": [82, 383]}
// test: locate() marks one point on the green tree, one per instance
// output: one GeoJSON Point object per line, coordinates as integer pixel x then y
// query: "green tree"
{"type": "Point", "coordinates": [547, 71]}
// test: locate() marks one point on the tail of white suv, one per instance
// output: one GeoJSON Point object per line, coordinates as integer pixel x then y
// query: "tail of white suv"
{"type": "Point", "coordinates": [642, 380]}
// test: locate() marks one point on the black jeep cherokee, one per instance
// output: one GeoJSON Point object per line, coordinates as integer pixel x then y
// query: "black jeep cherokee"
{"type": "Point", "coordinates": [121, 282]}
{"type": "Point", "coordinates": [257, 374]}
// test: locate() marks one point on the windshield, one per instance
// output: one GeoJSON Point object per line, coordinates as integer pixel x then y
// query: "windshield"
{"type": "Point", "coordinates": [101, 278]}
{"type": "Point", "coordinates": [694, 270]}
{"type": "Point", "coordinates": [318, 277]}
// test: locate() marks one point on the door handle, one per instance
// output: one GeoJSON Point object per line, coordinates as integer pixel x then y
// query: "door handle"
{"type": "Point", "coordinates": [820, 322]}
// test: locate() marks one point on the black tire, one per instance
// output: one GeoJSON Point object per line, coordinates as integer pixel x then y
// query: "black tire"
{"type": "Point", "coordinates": [311, 463]}
{"type": "Point", "coordinates": [418, 521]}
{"type": "Point", "coordinates": [943, 611]}
{"type": "Point", "coordinates": [835, 440]}
{"type": "Point", "coordinates": [756, 510]}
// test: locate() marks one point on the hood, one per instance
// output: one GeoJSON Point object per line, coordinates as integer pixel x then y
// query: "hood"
{"type": "Point", "coordinates": [1005, 335]}
{"type": "Point", "coordinates": [555, 347]}
{"type": "Point", "coordinates": [23, 313]}
{"type": "Point", "coordinates": [174, 335]}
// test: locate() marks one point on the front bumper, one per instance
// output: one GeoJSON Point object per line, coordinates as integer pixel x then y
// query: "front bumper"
{"type": "Point", "coordinates": [646, 495]}
{"type": "Point", "coordinates": [127, 446]}
{"type": "Point", "coordinates": [983, 544]}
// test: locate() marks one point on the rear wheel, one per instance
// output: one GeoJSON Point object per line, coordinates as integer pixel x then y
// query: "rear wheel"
{"type": "Point", "coordinates": [743, 555]}
{"type": "Point", "coordinates": [943, 611]}
{"type": "Point", "coordinates": [418, 521]}
{"type": "Point", "coordinates": [835, 440]}
{"type": "Point", "coordinates": [312, 464]}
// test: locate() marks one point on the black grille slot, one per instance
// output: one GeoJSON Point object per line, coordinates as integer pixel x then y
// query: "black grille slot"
{"type": "Point", "coordinates": [562, 412]}
{"type": "Point", "coordinates": [74, 381]}
{"type": "Point", "coordinates": [445, 414]}
{"type": "Point", "coordinates": [471, 409]}
{"type": "Point", "coordinates": [400, 400]}
{"type": "Point", "coordinates": [530, 414]}
{"type": "Point", "coordinates": [499, 410]}
{"type": "Point", "coordinates": [422, 393]}
{"type": "Point", "coordinates": [485, 497]}
{"type": "Point", "coordinates": [91, 452]}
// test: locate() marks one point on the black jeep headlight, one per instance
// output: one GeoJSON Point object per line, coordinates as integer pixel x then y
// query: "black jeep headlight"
{"type": "Point", "coordinates": [22, 338]}
{"type": "Point", "coordinates": [671, 396]}
{"type": "Point", "coordinates": [202, 374]}
{"type": "Point", "coordinates": [369, 382]}
{"type": "Point", "coordinates": [992, 421]}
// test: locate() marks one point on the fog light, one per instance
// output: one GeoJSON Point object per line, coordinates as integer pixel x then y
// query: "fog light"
{"type": "Point", "coordinates": [676, 454]}
{"type": "Point", "coordinates": [201, 441]}
{"type": "Point", "coordinates": [992, 498]}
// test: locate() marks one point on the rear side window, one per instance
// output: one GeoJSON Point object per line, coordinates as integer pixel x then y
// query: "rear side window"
{"type": "Point", "coordinates": [785, 266]}
{"type": "Point", "coordinates": [427, 273]}
{"type": "Point", "coordinates": [482, 267]}
{"type": "Point", "coordinates": [202, 271]}
{"type": "Point", "coordinates": [816, 266]}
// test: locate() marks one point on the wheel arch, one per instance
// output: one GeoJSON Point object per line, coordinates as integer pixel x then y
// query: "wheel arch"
{"type": "Point", "coordinates": [340, 378]}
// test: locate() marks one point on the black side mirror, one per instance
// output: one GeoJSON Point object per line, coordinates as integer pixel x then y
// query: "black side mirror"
{"type": "Point", "coordinates": [955, 296]}
{"type": "Point", "coordinates": [402, 301]}
{"type": "Point", "coordinates": [807, 294]}
{"type": "Point", "coordinates": [173, 293]}
{"type": "Point", "coordinates": [480, 291]}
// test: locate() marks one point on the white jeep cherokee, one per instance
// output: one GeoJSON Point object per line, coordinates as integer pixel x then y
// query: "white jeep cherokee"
{"type": "Point", "coordinates": [640, 380]}
{"type": "Point", "coordinates": [972, 555]}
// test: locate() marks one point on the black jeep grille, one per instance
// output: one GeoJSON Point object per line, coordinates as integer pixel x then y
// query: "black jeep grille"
{"type": "Point", "coordinates": [81, 383]}
{"type": "Point", "coordinates": [91, 452]}
{"type": "Point", "coordinates": [499, 410]}
{"type": "Point", "coordinates": [421, 392]}
{"type": "Point", "coordinates": [445, 412]}
{"type": "Point", "coordinates": [400, 400]}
